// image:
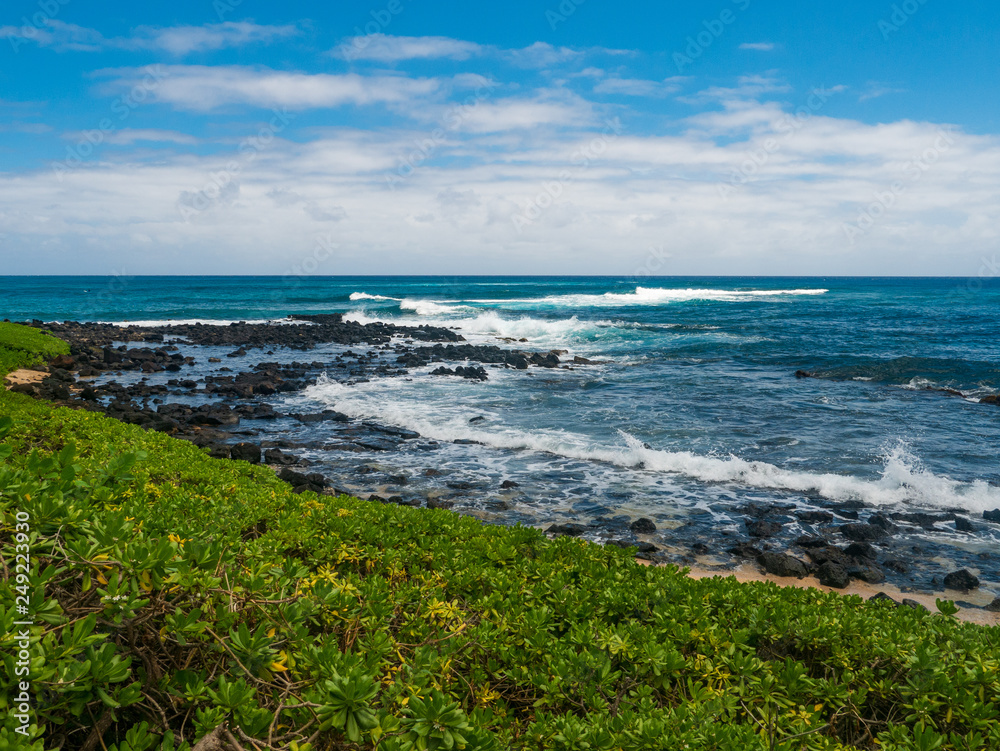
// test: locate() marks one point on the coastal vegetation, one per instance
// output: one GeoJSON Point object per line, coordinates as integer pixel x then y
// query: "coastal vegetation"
{"type": "Point", "coordinates": [181, 601]}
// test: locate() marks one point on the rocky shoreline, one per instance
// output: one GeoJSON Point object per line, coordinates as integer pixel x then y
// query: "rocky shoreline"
{"type": "Point", "coordinates": [218, 409]}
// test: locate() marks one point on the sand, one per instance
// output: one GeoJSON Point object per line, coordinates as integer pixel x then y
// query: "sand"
{"type": "Point", "coordinates": [24, 376]}
{"type": "Point", "coordinates": [749, 573]}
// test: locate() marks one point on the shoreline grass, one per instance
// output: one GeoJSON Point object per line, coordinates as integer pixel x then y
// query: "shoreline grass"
{"type": "Point", "coordinates": [183, 601]}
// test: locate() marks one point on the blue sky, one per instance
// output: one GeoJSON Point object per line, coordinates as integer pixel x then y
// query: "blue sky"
{"type": "Point", "coordinates": [404, 136]}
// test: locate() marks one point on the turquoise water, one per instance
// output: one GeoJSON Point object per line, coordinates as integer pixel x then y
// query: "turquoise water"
{"type": "Point", "coordinates": [696, 408]}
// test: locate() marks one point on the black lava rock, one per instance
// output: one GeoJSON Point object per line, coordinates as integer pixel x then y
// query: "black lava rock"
{"type": "Point", "coordinates": [781, 564]}
{"type": "Point", "coordinates": [643, 526]}
{"type": "Point", "coordinates": [863, 532]}
{"type": "Point", "coordinates": [247, 452]}
{"type": "Point", "coordinates": [833, 575]}
{"type": "Point", "coordinates": [573, 530]}
{"type": "Point", "coordinates": [761, 528]}
{"type": "Point", "coordinates": [962, 580]}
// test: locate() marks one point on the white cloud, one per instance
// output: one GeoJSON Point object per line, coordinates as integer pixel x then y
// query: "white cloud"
{"type": "Point", "coordinates": [127, 136]}
{"type": "Point", "coordinates": [758, 46]}
{"type": "Point", "coordinates": [205, 88]}
{"type": "Point", "coordinates": [182, 40]}
{"type": "Point", "coordinates": [453, 213]}
{"type": "Point", "coordinates": [390, 49]}
{"type": "Point", "coordinates": [61, 36]}
{"type": "Point", "coordinates": [637, 87]}
{"type": "Point", "coordinates": [176, 40]}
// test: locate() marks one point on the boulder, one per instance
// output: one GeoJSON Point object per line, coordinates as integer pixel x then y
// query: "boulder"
{"type": "Point", "coordinates": [814, 517]}
{"type": "Point", "coordinates": [882, 597]}
{"type": "Point", "coordinates": [994, 607]}
{"type": "Point", "coordinates": [870, 574]}
{"type": "Point", "coordinates": [761, 528]}
{"type": "Point", "coordinates": [247, 452]}
{"type": "Point", "coordinates": [962, 580]}
{"type": "Point", "coordinates": [643, 526]}
{"type": "Point", "coordinates": [863, 532]}
{"type": "Point", "coordinates": [780, 564]}
{"type": "Point", "coordinates": [992, 516]}
{"type": "Point", "coordinates": [508, 484]}
{"type": "Point", "coordinates": [833, 575]}
{"type": "Point", "coordinates": [572, 530]}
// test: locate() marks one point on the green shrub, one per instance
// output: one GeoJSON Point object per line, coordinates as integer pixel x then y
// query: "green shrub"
{"type": "Point", "coordinates": [23, 346]}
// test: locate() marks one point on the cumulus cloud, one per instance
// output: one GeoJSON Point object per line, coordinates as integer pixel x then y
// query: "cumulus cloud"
{"type": "Point", "coordinates": [175, 40]}
{"type": "Point", "coordinates": [391, 49]}
{"type": "Point", "coordinates": [205, 88]}
{"type": "Point", "coordinates": [637, 87]}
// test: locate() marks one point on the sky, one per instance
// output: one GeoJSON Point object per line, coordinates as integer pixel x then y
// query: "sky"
{"type": "Point", "coordinates": [729, 137]}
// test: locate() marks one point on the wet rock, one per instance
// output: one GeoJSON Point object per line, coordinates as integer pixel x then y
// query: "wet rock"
{"type": "Point", "coordinates": [508, 484]}
{"type": "Point", "coordinates": [833, 575]}
{"type": "Point", "coordinates": [643, 526]}
{"type": "Point", "coordinates": [992, 516]}
{"type": "Point", "coordinates": [962, 580]}
{"type": "Point", "coordinates": [964, 525]}
{"type": "Point", "coordinates": [882, 522]}
{"type": "Point", "coordinates": [804, 374]}
{"type": "Point", "coordinates": [432, 472]}
{"type": "Point", "coordinates": [398, 479]}
{"type": "Point", "coordinates": [863, 532]}
{"type": "Point", "coordinates": [870, 574]}
{"type": "Point", "coordinates": [994, 607]}
{"type": "Point", "coordinates": [810, 541]}
{"type": "Point", "coordinates": [861, 551]}
{"type": "Point", "coordinates": [781, 564]}
{"type": "Point", "coordinates": [830, 554]}
{"type": "Point", "coordinates": [745, 550]}
{"type": "Point", "coordinates": [439, 503]}
{"type": "Point", "coordinates": [471, 372]}
{"type": "Point", "coordinates": [324, 416]}
{"type": "Point", "coordinates": [277, 456]}
{"type": "Point", "coordinates": [247, 452]}
{"type": "Point", "coordinates": [814, 517]}
{"type": "Point", "coordinates": [573, 530]}
{"type": "Point", "coordinates": [762, 528]}
{"type": "Point", "coordinates": [896, 565]}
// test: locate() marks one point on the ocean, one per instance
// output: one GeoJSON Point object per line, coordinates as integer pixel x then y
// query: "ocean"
{"type": "Point", "coordinates": [693, 411]}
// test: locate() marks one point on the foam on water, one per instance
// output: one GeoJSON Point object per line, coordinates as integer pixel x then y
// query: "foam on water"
{"type": "Point", "coordinates": [902, 481]}
{"type": "Point", "coordinates": [366, 296]}
{"type": "Point", "coordinates": [654, 296]}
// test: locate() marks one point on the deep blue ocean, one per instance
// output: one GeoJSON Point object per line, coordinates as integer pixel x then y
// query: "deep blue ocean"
{"type": "Point", "coordinates": [696, 408]}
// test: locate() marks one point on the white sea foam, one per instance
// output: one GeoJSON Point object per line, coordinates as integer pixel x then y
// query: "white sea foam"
{"type": "Point", "coordinates": [901, 481]}
{"type": "Point", "coordinates": [653, 296]}
{"type": "Point", "coordinates": [366, 296]}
